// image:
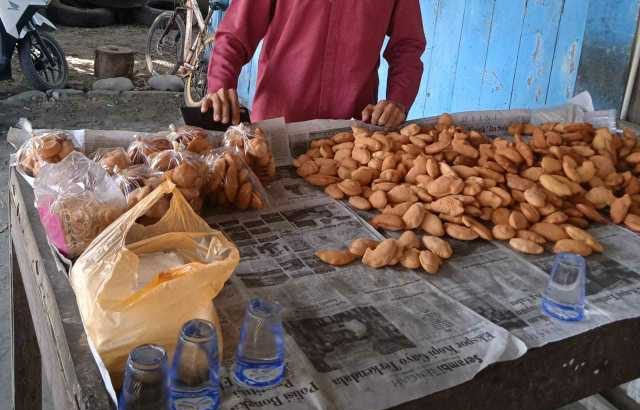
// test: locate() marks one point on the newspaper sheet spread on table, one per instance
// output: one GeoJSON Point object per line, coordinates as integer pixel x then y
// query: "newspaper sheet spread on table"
{"type": "Point", "coordinates": [358, 338]}
{"type": "Point", "coordinates": [364, 339]}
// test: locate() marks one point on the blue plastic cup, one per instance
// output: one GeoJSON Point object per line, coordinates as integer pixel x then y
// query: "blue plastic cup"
{"type": "Point", "coordinates": [146, 382]}
{"type": "Point", "coordinates": [564, 297]}
{"type": "Point", "coordinates": [195, 382]}
{"type": "Point", "coordinates": [259, 362]}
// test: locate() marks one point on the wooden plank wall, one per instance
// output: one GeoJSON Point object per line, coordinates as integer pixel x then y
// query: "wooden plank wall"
{"type": "Point", "coordinates": [606, 52]}
{"type": "Point", "coordinates": [489, 54]}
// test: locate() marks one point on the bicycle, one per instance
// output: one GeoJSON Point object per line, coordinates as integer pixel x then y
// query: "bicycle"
{"type": "Point", "coordinates": [174, 51]}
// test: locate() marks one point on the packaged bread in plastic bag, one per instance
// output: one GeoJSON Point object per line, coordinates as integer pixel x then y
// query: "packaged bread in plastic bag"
{"type": "Point", "coordinates": [143, 147]}
{"type": "Point", "coordinates": [43, 148]}
{"type": "Point", "coordinates": [113, 160]}
{"type": "Point", "coordinates": [187, 170]}
{"type": "Point", "coordinates": [76, 200]}
{"type": "Point", "coordinates": [253, 147]}
{"type": "Point", "coordinates": [190, 138]}
{"type": "Point", "coordinates": [231, 183]}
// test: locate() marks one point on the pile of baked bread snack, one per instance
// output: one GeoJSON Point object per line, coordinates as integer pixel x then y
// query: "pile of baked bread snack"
{"type": "Point", "coordinates": [541, 188]}
{"type": "Point", "coordinates": [230, 175]}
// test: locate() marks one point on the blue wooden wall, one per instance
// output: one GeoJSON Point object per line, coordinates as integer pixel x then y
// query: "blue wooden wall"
{"type": "Point", "coordinates": [606, 51]}
{"type": "Point", "coordinates": [489, 54]}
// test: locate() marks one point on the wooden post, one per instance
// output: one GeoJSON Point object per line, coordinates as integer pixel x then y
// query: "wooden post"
{"type": "Point", "coordinates": [113, 61]}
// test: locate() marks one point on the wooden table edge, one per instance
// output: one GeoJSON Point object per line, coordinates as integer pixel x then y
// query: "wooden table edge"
{"type": "Point", "coordinates": [67, 361]}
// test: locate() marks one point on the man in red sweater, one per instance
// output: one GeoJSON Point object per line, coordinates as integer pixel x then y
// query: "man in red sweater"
{"type": "Point", "coordinates": [319, 59]}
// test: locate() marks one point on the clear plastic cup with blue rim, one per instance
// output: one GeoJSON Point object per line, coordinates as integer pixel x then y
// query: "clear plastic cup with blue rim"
{"type": "Point", "coordinates": [195, 380]}
{"type": "Point", "coordinates": [564, 297]}
{"type": "Point", "coordinates": [146, 380]}
{"type": "Point", "coordinates": [260, 356]}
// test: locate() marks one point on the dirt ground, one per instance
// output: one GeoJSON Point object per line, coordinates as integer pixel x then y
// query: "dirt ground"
{"type": "Point", "coordinates": [79, 45]}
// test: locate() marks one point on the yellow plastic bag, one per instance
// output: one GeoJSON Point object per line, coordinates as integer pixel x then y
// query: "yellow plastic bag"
{"type": "Point", "coordinates": [120, 308]}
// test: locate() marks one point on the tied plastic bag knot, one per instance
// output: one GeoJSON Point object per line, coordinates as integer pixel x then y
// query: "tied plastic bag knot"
{"type": "Point", "coordinates": [138, 284]}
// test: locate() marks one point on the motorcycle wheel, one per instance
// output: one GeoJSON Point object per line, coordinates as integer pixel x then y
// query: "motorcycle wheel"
{"type": "Point", "coordinates": [42, 74]}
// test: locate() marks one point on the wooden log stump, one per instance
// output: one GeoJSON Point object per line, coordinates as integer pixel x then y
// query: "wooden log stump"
{"type": "Point", "coordinates": [113, 61]}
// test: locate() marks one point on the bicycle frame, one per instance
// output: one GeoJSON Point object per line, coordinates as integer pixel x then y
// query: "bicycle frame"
{"type": "Point", "coordinates": [190, 47]}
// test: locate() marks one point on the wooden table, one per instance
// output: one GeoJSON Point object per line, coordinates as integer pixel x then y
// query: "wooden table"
{"type": "Point", "coordinates": [49, 337]}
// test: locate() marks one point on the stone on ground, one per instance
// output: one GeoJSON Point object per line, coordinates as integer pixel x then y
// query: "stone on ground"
{"type": "Point", "coordinates": [26, 97]}
{"type": "Point", "coordinates": [114, 84]}
{"type": "Point", "coordinates": [166, 82]}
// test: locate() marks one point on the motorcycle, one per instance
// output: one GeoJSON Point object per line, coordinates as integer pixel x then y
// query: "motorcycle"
{"type": "Point", "coordinates": [42, 60]}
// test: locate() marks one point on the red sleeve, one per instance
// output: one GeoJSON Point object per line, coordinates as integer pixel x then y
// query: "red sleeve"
{"type": "Point", "coordinates": [406, 45]}
{"type": "Point", "coordinates": [243, 26]}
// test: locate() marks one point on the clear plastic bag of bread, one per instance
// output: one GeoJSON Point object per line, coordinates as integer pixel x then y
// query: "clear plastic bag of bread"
{"type": "Point", "coordinates": [252, 145]}
{"type": "Point", "coordinates": [138, 181]}
{"type": "Point", "coordinates": [231, 183]}
{"type": "Point", "coordinates": [190, 138]}
{"type": "Point", "coordinates": [76, 200]}
{"type": "Point", "coordinates": [142, 147]}
{"type": "Point", "coordinates": [187, 170]}
{"type": "Point", "coordinates": [43, 148]}
{"type": "Point", "coordinates": [113, 160]}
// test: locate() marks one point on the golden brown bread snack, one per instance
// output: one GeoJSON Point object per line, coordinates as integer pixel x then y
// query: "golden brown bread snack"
{"type": "Point", "coordinates": [190, 138]}
{"type": "Point", "coordinates": [253, 148]}
{"type": "Point", "coordinates": [230, 181]}
{"type": "Point", "coordinates": [536, 187]}
{"type": "Point", "coordinates": [112, 160]}
{"type": "Point", "coordinates": [142, 148]}
{"type": "Point", "coordinates": [50, 147]}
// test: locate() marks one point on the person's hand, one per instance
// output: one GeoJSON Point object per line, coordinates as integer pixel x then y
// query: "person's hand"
{"type": "Point", "coordinates": [224, 104]}
{"type": "Point", "coordinates": [385, 113]}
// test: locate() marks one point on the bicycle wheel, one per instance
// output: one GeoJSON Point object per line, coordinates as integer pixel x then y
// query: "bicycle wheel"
{"type": "Point", "coordinates": [165, 44]}
{"type": "Point", "coordinates": [195, 87]}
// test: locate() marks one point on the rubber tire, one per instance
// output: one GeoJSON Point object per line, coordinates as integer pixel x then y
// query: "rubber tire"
{"type": "Point", "coordinates": [152, 9]}
{"type": "Point", "coordinates": [182, 30]}
{"type": "Point", "coordinates": [80, 17]}
{"type": "Point", "coordinates": [77, 3]}
{"type": "Point", "coordinates": [116, 4]}
{"type": "Point", "coordinates": [29, 70]}
{"type": "Point", "coordinates": [125, 16]}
